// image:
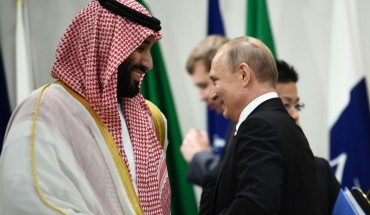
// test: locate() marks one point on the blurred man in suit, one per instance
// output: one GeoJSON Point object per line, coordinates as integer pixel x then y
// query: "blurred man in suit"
{"type": "Point", "coordinates": [287, 90]}
{"type": "Point", "coordinates": [196, 148]}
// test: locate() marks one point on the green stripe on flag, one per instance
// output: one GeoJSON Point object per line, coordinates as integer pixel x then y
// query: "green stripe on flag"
{"type": "Point", "coordinates": [156, 88]}
{"type": "Point", "coordinates": [258, 24]}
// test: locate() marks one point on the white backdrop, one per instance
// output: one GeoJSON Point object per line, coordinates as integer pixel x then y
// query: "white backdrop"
{"type": "Point", "coordinates": [301, 30]}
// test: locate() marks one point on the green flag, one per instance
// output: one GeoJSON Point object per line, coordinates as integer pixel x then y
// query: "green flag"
{"type": "Point", "coordinates": [156, 88]}
{"type": "Point", "coordinates": [258, 24]}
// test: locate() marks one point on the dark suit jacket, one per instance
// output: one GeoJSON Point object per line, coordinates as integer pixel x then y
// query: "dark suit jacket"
{"type": "Point", "coordinates": [328, 186]}
{"type": "Point", "coordinates": [269, 167]}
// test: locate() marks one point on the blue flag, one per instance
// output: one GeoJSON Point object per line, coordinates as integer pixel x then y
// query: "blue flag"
{"type": "Point", "coordinates": [217, 125]}
{"type": "Point", "coordinates": [215, 24]}
{"type": "Point", "coordinates": [349, 113]}
{"type": "Point", "coordinates": [350, 140]}
{"type": "Point", "coordinates": [4, 107]}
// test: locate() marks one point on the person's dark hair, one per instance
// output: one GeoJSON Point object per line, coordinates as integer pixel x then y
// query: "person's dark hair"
{"type": "Point", "coordinates": [286, 72]}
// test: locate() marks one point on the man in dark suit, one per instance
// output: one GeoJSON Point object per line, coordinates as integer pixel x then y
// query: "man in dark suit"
{"type": "Point", "coordinates": [287, 90]}
{"type": "Point", "coordinates": [269, 167]}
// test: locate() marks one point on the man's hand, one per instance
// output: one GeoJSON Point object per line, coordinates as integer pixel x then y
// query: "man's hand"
{"type": "Point", "coordinates": [195, 141]}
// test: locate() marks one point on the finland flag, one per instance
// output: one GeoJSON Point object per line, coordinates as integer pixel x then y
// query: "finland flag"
{"type": "Point", "coordinates": [349, 118]}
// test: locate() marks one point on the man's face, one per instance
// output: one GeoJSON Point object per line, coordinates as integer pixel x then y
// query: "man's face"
{"type": "Point", "coordinates": [289, 95]}
{"type": "Point", "coordinates": [133, 69]}
{"type": "Point", "coordinates": [227, 87]}
{"type": "Point", "coordinates": [201, 80]}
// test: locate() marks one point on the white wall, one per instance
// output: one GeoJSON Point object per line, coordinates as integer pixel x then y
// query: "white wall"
{"type": "Point", "coordinates": [301, 29]}
{"type": "Point", "coordinates": [48, 21]}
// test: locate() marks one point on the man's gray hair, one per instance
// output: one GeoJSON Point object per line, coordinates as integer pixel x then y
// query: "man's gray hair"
{"type": "Point", "coordinates": [256, 54]}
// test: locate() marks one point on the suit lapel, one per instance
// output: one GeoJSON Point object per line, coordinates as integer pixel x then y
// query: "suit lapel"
{"type": "Point", "coordinates": [214, 197]}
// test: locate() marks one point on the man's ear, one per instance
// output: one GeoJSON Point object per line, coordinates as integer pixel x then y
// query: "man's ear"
{"type": "Point", "coordinates": [245, 73]}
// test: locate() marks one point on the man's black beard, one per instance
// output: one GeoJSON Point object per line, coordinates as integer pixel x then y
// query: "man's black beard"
{"type": "Point", "coordinates": [126, 86]}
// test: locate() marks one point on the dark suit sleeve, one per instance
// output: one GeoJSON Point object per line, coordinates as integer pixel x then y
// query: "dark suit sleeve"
{"type": "Point", "coordinates": [334, 187]}
{"type": "Point", "coordinates": [259, 168]}
{"type": "Point", "coordinates": [208, 189]}
{"type": "Point", "coordinates": [201, 163]}
{"type": "Point", "coordinates": [328, 185]}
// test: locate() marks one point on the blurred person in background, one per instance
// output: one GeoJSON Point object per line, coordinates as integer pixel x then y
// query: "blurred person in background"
{"type": "Point", "coordinates": [287, 90]}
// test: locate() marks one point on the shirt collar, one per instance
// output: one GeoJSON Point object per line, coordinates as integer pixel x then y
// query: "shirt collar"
{"type": "Point", "coordinates": [253, 105]}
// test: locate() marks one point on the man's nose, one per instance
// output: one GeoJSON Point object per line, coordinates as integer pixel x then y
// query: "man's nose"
{"type": "Point", "coordinates": [213, 95]}
{"type": "Point", "coordinates": [146, 60]}
{"type": "Point", "coordinates": [203, 95]}
{"type": "Point", "coordinates": [295, 114]}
